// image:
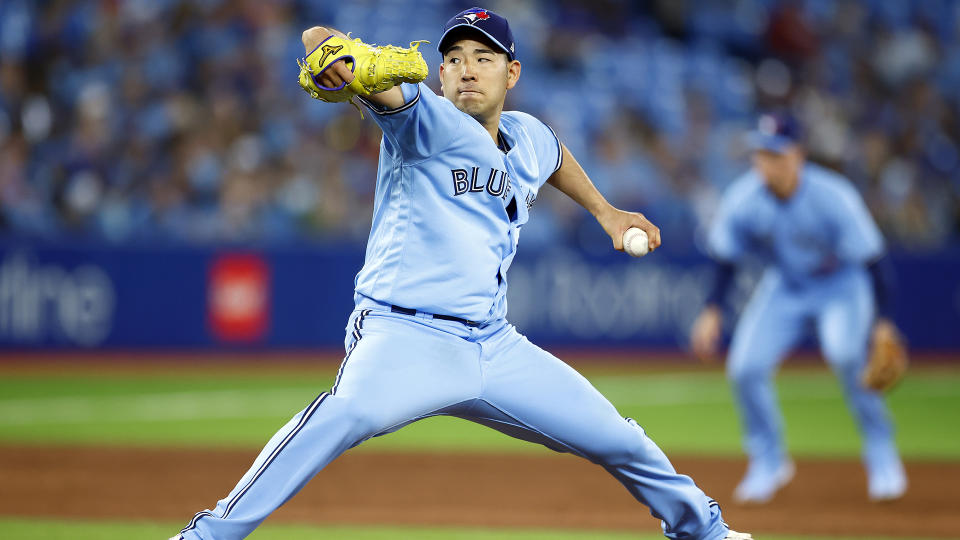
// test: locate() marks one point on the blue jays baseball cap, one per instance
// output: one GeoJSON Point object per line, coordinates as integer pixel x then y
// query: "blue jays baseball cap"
{"type": "Point", "coordinates": [775, 132]}
{"type": "Point", "coordinates": [488, 23]}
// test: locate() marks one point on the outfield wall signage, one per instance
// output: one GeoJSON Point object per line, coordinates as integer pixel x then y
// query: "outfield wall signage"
{"type": "Point", "coordinates": [51, 302]}
{"type": "Point", "coordinates": [238, 298]}
{"type": "Point", "coordinates": [176, 298]}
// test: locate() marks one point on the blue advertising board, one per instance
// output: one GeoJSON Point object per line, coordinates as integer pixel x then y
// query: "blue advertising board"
{"type": "Point", "coordinates": [175, 298]}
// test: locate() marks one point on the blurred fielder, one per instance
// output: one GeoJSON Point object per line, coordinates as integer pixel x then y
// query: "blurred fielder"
{"type": "Point", "coordinates": [429, 335]}
{"type": "Point", "coordinates": [825, 271]}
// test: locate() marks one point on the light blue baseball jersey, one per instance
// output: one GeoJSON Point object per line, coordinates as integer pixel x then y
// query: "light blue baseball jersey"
{"type": "Point", "coordinates": [444, 230]}
{"type": "Point", "coordinates": [824, 226]}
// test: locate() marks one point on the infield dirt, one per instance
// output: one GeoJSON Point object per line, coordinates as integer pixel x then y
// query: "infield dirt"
{"type": "Point", "coordinates": [548, 491]}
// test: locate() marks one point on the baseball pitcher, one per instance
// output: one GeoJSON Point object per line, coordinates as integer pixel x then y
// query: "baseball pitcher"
{"type": "Point", "coordinates": [429, 336]}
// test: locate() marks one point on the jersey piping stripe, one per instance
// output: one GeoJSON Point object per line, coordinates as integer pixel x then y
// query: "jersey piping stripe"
{"type": "Point", "coordinates": [273, 455]}
{"type": "Point", "coordinates": [385, 112]}
{"type": "Point", "coordinates": [357, 326]}
{"type": "Point", "coordinates": [559, 149]}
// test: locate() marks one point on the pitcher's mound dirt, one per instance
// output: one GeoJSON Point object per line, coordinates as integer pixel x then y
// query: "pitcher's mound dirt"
{"type": "Point", "coordinates": [543, 490]}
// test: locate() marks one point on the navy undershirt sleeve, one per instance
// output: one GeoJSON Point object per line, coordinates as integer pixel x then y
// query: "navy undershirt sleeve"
{"type": "Point", "coordinates": [884, 286]}
{"type": "Point", "coordinates": [722, 279]}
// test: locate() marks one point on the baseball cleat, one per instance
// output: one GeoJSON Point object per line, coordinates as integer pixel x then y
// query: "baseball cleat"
{"type": "Point", "coordinates": [734, 535]}
{"type": "Point", "coordinates": [886, 477]}
{"type": "Point", "coordinates": [887, 485]}
{"type": "Point", "coordinates": [178, 537]}
{"type": "Point", "coordinates": [761, 483]}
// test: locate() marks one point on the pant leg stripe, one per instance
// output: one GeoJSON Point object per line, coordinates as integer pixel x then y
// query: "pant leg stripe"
{"type": "Point", "coordinates": [357, 326]}
{"type": "Point", "coordinates": [713, 503]}
{"type": "Point", "coordinates": [303, 420]}
{"type": "Point", "coordinates": [193, 522]}
{"type": "Point", "coordinates": [273, 455]}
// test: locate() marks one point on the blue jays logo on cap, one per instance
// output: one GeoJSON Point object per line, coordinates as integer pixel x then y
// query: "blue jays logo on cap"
{"type": "Point", "coordinates": [473, 15]}
{"type": "Point", "coordinates": [775, 132]}
{"type": "Point", "coordinates": [488, 23]}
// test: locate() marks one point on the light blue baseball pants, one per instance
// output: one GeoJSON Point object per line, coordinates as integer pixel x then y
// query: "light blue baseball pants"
{"type": "Point", "coordinates": [402, 368]}
{"type": "Point", "coordinates": [840, 309]}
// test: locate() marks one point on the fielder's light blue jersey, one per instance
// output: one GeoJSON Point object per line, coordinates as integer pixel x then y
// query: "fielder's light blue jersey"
{"type": "Point", "coordinates": [449, 206]}
{"type": "Point", "coordinates": [824, 226]}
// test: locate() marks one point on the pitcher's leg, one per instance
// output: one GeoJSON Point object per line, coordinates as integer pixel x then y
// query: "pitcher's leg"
{"type": "Point", "coordinates": [539, 398]}
{"type": "Point", "coordinates": [306, 444]}
{"type": "Point", "coordinates": [397, 372]}
{"type": "Point", "coordinates": [843, 327]}
{"type": "Point", "coordinates": [770, 326]}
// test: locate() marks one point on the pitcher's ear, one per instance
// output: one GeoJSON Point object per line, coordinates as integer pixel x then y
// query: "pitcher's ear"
{"type": "Point", "coordinates": [513, 73]}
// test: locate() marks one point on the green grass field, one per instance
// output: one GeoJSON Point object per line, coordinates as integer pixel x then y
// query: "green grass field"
{"type": "Point", "coordinates": [680, 411]}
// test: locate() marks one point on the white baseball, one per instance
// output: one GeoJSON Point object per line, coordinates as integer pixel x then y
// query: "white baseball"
{"type": "Point", "coordinates": [635, 242]}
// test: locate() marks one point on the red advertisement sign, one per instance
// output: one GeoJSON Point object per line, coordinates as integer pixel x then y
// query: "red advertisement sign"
{"type": "Point", "coordinates": [238, 296]}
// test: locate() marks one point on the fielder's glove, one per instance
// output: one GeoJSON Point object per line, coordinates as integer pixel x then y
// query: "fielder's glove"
{"type": "Point", "coordinates": [375, 69]}
{"type": "Point", "coordinates": [888, 359]}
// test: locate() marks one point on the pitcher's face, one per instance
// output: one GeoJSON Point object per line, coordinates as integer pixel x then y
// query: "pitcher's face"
{"type": "Point", "coordinates": [475, 76]}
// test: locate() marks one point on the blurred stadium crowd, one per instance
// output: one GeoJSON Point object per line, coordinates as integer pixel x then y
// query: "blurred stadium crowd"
{"type": "Point", "coordinates": [180, 120]}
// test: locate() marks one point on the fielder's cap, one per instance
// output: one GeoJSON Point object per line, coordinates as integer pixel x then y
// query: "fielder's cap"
{"type": "Point", "coordinates": [775, 132]}
{"type": "Point", "coordinates": [488, 23]}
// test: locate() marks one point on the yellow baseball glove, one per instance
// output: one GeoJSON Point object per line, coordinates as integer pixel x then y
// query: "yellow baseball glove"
{"type": "Point", "coordinates": [888, 359]}
{"type": "Point", "coordinates": [375, 69]}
